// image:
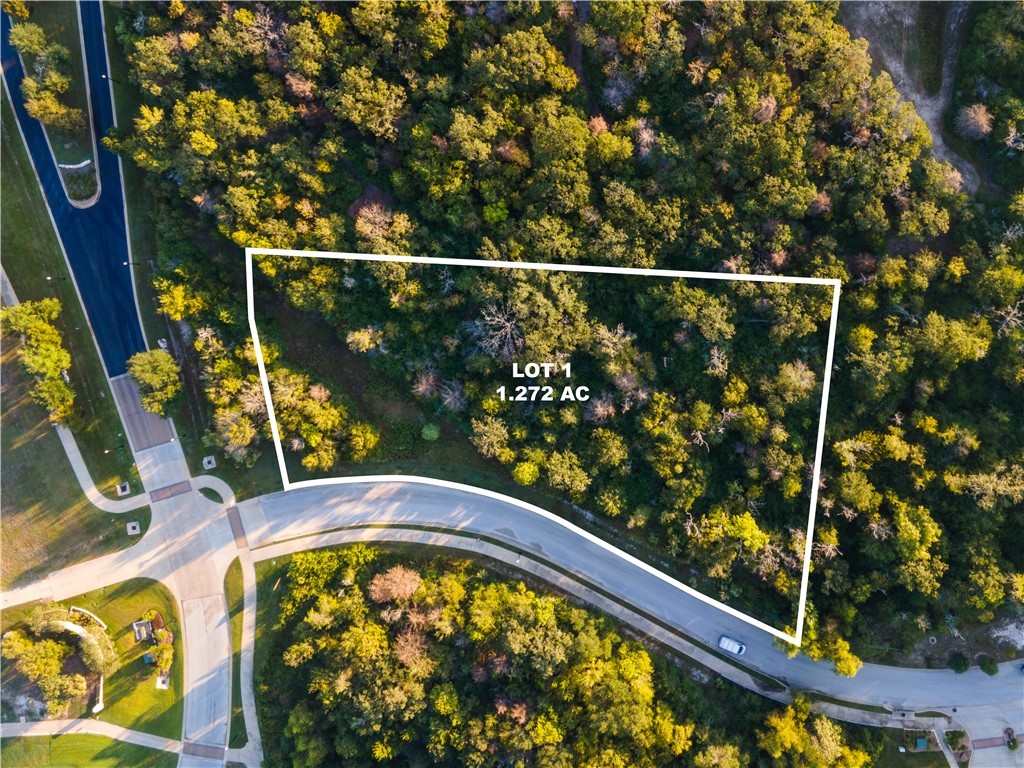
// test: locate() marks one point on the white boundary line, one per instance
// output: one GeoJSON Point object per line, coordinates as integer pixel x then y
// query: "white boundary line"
{"type": "Point", "coordinates": [835, 284]}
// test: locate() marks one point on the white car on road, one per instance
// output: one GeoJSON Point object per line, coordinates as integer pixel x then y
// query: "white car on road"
{"type": "Point", "coordinates": [732, 646]}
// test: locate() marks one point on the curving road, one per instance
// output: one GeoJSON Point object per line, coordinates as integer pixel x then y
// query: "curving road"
{"type": "Point", "coordinates": [192, 540]}
{"type": "Point", "coordinates": [95, 239]}
{"type": "Point", "coordinates": [305, 512]}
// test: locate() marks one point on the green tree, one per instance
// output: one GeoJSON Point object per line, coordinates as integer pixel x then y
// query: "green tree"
{"type": "Point", "coordinates": [43, 355]}
{"type": "Point", "coordinates": [158, 377]}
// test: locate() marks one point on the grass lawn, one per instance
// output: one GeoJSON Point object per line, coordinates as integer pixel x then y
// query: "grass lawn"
{"type": "Point", "coordinates": [30, 253]}
{"type": "Point", "coordinates": [59, 20]}
{"type": "Point", "coordinates": [74, 750]}
{"type": "Point", "coordinates": [263, 476]}
{"type": "Point", "coordinates": [131, 697]}
{"type": "Point", "coordinates": [235, 593]}
{"type": "Point", "coordinates": [47, 522]}
{"type": "Point", "coordinates": [891, 757]}
{"type": "Point", "coordinates": [269, 588]}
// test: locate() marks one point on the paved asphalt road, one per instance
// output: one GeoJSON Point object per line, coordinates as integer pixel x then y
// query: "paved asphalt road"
{"type": "Point", "coordinates": [95, 237]}
{"type": "Point", "coordinates": [190, 544]}
{"type": "Point", "coordinates": [301, 512]}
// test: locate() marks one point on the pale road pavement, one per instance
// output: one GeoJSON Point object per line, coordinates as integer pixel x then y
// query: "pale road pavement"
{"type": "Point", "coordinates": [190, 545]}
{"type": "Point", "coordinates": [187, 525]}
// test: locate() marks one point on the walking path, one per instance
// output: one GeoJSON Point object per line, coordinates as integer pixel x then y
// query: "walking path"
{"type": "Point", "coordinates": [191, 541]}
{"type": "Point", "coordinates": [888, 27]}
{"type": "Point", "coordinates": [93, 728]}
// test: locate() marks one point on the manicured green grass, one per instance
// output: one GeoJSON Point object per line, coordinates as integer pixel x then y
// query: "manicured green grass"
{"type": "Point", "coordinates": [211, 494]}
{"type": "Point", "coordinates": [130, 694]}
{"type": "Point", "coordinates": [269, 588]}
{"type": "Point", "coordinates": [234, 591]}
{"type": "Point", "coordinates": [59, 20]}
{"type": "Point", "coordinates": [47, 522]}
{"type": "Point", "coordinates": [30, 253]}
{"type": "Point", "coordinates": [74, 751]}
{"type": "Point", "coordinates": [891, 757]}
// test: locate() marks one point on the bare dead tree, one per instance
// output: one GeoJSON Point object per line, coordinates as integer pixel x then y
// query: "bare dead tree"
{"type": "Point", "coordinates": [1010, 318]}
{"type": "Point", "coordinates": [251, 398]}
{"type": "Point", "coordinates": [691, 527]}
{"type": "Point", "coordinates": [396, 583]}
{"type": "Point", "coordinates": [974, 122]}
{"type": "Point", "coordinates": [447, 281]}
{"type": "Point", "coordinates": [766, 110]}
{"type": "Point", "coordinates": [826, 551]}
{"type": "Point", "coordinates": [319, 393]}
{"type": "Point", "coordinates": [453, 396]}
{"type": "Point", "coordinates": [601, 408]}
{"type": "Point", "coordinates": [497, 332]}
{"type": "Point", "coordinates": [427, 383]}
{"type": "Point", "coordinates": [697, 69]}
{"type": "Point", "coordinates": [718, 365]}
{"type": "Point", "coordinates": [879, 528]}
{"type": "Point", "coordinates": [410, 646]}
{"type": "Point", "coordinates": [682, 334]}
{"type": "Point", "coordinates": [697, 438]}
{"type": "Point", "coordinates": [645, 137]}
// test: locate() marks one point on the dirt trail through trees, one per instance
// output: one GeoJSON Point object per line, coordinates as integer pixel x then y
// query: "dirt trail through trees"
{"type": "Point", "coordinates": [890, 28]}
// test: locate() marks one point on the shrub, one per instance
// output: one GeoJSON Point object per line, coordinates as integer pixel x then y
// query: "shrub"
{"type": "Point", "coordinates": [959, 663]}
{"type": "Point", "coordinates": [430, 432]}
{"type": "Point", "coordinates": [988, 664]}
{"type": "Point", "coordinates": [526, 473]}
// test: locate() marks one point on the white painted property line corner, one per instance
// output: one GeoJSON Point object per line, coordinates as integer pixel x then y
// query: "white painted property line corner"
{"type": "Point", "coordinates": [834, 283]}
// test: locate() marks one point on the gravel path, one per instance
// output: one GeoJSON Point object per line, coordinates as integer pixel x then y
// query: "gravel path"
{"type": "Point", "coordinates": [890, 28]}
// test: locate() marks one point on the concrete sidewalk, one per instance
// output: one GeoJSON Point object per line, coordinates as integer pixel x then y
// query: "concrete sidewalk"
{"type": "Point", "coordinates": [92, 493]}
{"type": "Point", "coordinates": [92, 728]}
{"type": "Point", "coordinates": [145, 429]}
{"type": "Point", "coordinates": [67, 439]}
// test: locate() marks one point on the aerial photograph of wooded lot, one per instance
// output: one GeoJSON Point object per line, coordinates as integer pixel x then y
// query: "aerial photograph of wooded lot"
{"type": "Point", "coordinates": [432, 515]}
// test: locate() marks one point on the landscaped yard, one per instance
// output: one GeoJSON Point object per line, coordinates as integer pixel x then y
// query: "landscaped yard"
{"type": "Point", "coordinates": [31, 254]}
{"type": "Point", "coordinates": [47, 522]}
{"type": "Point", "coordinates": [59, 20]}
{"type": "Point", "coordinates": [74, 751]}
{"type": "Point", "coordinates": [131, 697]}
{"type": "Point", "coordinates": [891, 757]}
{"type": "Point", "coordinates": [234, 591]}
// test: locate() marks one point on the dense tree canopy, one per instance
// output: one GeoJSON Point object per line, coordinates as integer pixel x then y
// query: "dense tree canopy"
{"type": "Point", "coordinates": [381, 659]}
{"type": "Point", "coordinates": [749, 138]}
{"type": "Point", "coordinates": [49, 67]}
